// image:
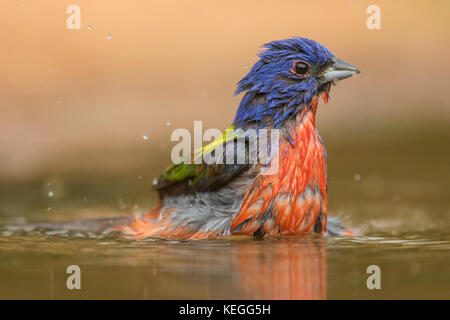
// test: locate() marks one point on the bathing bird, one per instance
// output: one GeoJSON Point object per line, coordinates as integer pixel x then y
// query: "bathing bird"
{"type": "Point", "coordinates": [252, 185]}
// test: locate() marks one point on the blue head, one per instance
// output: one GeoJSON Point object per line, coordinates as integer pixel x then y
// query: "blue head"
{"type": "Point", "coordinates": [288, 75]}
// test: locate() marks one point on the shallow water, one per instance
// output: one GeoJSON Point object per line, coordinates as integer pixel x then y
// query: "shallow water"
{"type": "Point", "coordinates": [394, 191]}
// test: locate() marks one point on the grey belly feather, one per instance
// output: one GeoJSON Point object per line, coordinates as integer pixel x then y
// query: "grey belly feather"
{"type": "Point", "coordinates": [204, 211]}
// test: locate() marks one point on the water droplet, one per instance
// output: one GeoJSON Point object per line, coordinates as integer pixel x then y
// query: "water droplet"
{"type": "Point", "coordinates": [50, 194]}
{"type": "Point", "coordinates": [56, 232]}
{"type": "Point", "coordinates": [109, 36]}
{"type": "Point", "coordinates": [203, 93]}
{"type": "Point", "coordinates": [145, 136]}
{"type": "Point", "coordinates": [246, 67]}
{"type": "Point", "coordinates": [49, 209]}
{"type": "Point", "coordinates": [60, 101]}
{"type": "Point", "coordinates": [90, 27]}
{"type": "Point", "coordinates": [155, 181]}
{"type": "Point", "coordinates": [121, 203]}
{"type": "Point", "coordinates": [78, 235]}
{"type": "Point", "coordinates": [168, 123]}
{"type": "Point", "coordinates": [140, 177]}
{"type": "Point", "coordinates": [357, 177]}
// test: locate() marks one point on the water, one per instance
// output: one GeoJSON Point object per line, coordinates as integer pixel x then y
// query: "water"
{"type": "Point", "coordinates": [399, 203]}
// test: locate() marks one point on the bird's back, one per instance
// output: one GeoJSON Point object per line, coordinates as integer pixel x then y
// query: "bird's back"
{"type": "Point", "coordinates": [291, 199]}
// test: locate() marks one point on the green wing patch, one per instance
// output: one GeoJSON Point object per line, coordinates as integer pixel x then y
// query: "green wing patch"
{"type": "Point", "coordinates": [228, 135]}
{"type": "Point", "coordinates": [191, 177]}
{"type": "Point", "coordinates": [179, 172]}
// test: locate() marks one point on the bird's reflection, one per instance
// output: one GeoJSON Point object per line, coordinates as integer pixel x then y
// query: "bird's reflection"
{"type": "Point", "coordinates": [283, 269]}
{"type": "Point", "coordinates": [286, 268]}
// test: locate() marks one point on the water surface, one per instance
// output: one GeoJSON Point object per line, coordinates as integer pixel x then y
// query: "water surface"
{"type": "Point", "coordinates": [393, 190]}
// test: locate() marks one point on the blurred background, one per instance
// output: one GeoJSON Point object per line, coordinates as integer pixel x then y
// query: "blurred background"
{"type": "Point", "coordinates": [80, 101]}
{"type": "Point", "coordinates": [86, 117]}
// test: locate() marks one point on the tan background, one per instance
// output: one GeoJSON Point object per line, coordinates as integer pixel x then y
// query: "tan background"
{"type": "Point", "coordinates": [72, 101]}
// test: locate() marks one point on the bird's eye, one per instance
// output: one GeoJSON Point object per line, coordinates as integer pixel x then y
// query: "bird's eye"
{"type": "Point", "coordinates": [300, 68]}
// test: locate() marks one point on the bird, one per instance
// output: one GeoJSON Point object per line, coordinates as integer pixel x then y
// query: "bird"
{"type": "Point", "coordinates": [282, 194]}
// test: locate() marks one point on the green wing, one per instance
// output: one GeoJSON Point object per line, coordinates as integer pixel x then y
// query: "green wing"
{"type": "Point", "coordinates": [189, 177]}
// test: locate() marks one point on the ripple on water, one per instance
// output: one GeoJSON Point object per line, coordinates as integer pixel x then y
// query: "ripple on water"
{"type": "Point", "coordinates": [425, 240]}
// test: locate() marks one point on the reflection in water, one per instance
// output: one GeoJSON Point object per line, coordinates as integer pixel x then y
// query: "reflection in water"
{"type": "Point", "coordinates": [404, 218]}
{"type": "Point", "coordinates": [33, 266]}
{"type": "Point", "coordinates": [286, 269]}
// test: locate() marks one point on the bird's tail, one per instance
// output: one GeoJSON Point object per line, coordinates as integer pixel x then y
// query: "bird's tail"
{"type": "Point", "coordinates": [170, 223]}
{"type": "Point", "coordinates": [335, 227]}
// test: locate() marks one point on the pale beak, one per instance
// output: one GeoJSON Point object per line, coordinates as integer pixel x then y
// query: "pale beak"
{"type": "Point", "coordinates": [338, 70]}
